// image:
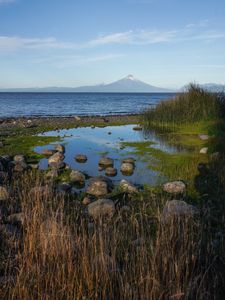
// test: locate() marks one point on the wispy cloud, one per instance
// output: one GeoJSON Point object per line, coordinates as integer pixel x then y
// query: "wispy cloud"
{"type": "Point", "coordinates": [64, 61]}
{"type": "Point", "coordinates": [198, 31]}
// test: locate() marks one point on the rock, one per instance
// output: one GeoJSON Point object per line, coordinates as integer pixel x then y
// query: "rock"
{"type": "Point", "coordinates": [34, 166]}
{"type": "Point", "coordinates": [64, 187]}
{"type": "Point", "coordinates": [92, 126]}
{"type": "Point", "coordinates": [99, 186]}
{"type": "Point", "coordinates": [137, 128]}
{"type": "Point", "coordinates": [127, 168]}
{"type": "Point", "coordinates": [48, 152]}
{"type": "Point", "coordinates": [77, 177]}
{"type": "Point", "coordinates": [20, 166]}
{"type": "Point", "coordinates": [129, 160]}
{"type": "Point", "coordinates": [77, 118]}
{"type": "Point", "coordinates": [101, 208]}
{"type": "Point", "coordinates": [106, 162]}
{"type": "Point", "coordinates": [177, 208]}
{"type": "Point", "coordinates": [19, 158]}
{"type": "Point", "coordinates": [57, 165]}
{"type": "Point", "coordinates": [81, 158]}
{"type": "Point", "coordinates": [109, 133]}
{"type": "Point", "coordinates": [52, 174]}
{"type": "Point", "coordinates": [204, 137]}
{"type": "Point", "coordinates": [174, 187]}
{"type": "Point", "coordinates": [58, 156]}
{"type": "Point", "coordinates": [17, 218]}
{"type": "Point", "coordinates": [128, 187]}
{"type": "Point", "coordinates": [110, 171]}
{"type": "Point", "coordinates": [204, 150]}
{"type": "Point", "coordinates": [4, 194]}
{"type": "Point", "coordinates": [60, 148]}
{"type": "Point", "coordinates": [86, 201]}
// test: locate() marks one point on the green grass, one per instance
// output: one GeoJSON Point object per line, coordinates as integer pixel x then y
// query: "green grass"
{"type": "Point", "coordinates": [25, 145]}
{"type": "Point", "coordinates": [194, 106]}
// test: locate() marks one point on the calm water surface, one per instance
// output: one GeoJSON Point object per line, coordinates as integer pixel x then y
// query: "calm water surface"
{"type": "Point", "coordinates": [97, 142]}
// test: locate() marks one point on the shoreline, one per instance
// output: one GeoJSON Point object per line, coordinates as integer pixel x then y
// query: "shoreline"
{"type": "Point", "coordinates": [42, 123]}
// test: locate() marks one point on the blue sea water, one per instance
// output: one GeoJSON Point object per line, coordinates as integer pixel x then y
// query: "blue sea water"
{"type": "Point", "coordinates": [69, 104]}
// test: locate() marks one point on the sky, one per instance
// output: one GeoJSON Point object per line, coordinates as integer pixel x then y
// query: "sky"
{"type": "Point", "coordinates": [166, 43]}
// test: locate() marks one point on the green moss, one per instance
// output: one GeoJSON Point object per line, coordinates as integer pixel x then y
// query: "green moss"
{"type": "Point", "coordinates": [25, 145]}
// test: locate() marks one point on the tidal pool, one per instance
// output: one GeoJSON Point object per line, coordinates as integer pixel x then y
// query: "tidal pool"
{"type": "Point", "coordinates": [108, 141]}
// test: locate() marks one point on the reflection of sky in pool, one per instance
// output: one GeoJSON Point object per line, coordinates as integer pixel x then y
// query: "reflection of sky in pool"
{"type": "Point", "coordinates": [97, 142]}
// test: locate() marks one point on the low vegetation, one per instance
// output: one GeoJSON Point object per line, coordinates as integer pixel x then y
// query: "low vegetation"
{"type": "Point", "coordinates": [52, 248]}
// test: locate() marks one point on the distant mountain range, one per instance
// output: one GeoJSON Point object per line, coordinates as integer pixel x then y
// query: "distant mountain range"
{"type": "Point", "coordinates": [128, 84]}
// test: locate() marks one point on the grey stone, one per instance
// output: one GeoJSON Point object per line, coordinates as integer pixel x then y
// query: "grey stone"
{"type": "Point", "coordinates": [58, 156]}
{"type": "Point", "coordinates": [60, 148]}
{"type": "Point", "coordinates": [99, 186]}
{"type": "Point", "coordinates": [204, 150]}
{"type": "Point", "coordinates": [204, 137]}
{"type": "Point", "coordinates": [174, 187]}
{"type": "Point", "coordinates": [110, 171]}
{"type": "Point", "coordinates": [137, 128]}
{"type": "Point", "coordinates": [128, 187]}
{"type": "Point", "coordinates": [101, 208]}
{"type": "Point", "coordinates": [106, 162]}
{"type": "Point", "coordinates": [127, 168]}
{"type": "Point", "coordinates": [178, 208]}
{"type": "Point", "coordinates": [129, 160]}
{"type": "Point", "coordinates": [19, 158]}
{"type": "Point", "coordinates": [16, 218]}
{"type": "Point", "coordinates": [77, 177]}
{"type": "Point", "coordinates": [81, 158]}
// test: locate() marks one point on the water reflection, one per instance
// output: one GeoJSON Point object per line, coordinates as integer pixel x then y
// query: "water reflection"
{"type": "Point", "coordinates": [96, 143]}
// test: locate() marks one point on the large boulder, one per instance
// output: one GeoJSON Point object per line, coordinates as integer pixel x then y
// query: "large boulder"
{"type": "Point", "coordinates": [174, 187]}
{"type": "Point", "coordinates": [101, 208]}
{"type": "Point", "coordinates": [4, 194]}
{"type": "Point", "coordinates": [128, 187]}
{"type": "Point", "coordinates": [60, 148]}
{"type": "Point", "coordinates": [99, 186]}
{"type": "Point", "coordinates": [77, 177]}
{"type": "Point", "coordinates": [57, 157]}
{"type": "Point", "coordinates": [106, 162]}
{"type": "Point", "coordinates": [178, 208]}
{"type": "Point", "coordinates": [127, 168]}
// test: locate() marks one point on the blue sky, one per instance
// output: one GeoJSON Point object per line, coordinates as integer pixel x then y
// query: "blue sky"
{"type": "Point", "coordinates": [80, 42]}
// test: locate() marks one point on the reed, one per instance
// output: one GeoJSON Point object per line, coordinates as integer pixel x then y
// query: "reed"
{"type": "Point", "coordinates": [135, 255]}
{"type": "Point", "coordinates": [193, 106]}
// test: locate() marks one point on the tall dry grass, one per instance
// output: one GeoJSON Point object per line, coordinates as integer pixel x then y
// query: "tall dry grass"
{"type": "Point", "coordinates": [135, 255]}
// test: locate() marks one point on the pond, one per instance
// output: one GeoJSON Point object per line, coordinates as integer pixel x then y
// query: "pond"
{"type": "Point", "coordinates": [108, 141]}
